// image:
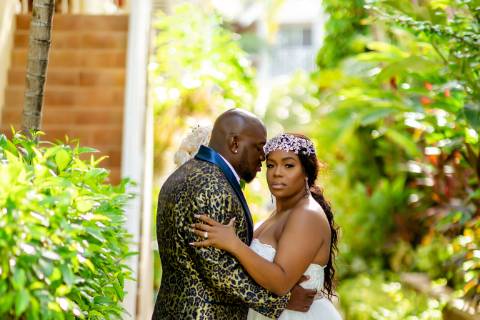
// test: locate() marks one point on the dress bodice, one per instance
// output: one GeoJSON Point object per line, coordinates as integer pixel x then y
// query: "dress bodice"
{"type": "Point", "coordinates": [314, 271]}
{"type": "Point", "coordinates": [321, 308]}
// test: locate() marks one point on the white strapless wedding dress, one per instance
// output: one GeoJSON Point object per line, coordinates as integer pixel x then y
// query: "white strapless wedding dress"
{"type": "Point", "coordinates": [321, 309]}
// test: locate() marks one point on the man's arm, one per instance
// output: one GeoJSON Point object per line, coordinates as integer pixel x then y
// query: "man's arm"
{"type": "Point", "coordinates": [221, 270]}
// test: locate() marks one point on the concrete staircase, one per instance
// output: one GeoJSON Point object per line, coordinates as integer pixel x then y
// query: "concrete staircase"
{"type": "Point", "coordinates": [84, 92]}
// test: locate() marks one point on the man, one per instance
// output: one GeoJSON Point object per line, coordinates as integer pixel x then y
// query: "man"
{"type": "Point", "coordinates": [208, 283]}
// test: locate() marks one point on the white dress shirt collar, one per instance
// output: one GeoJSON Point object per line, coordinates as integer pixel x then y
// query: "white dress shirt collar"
{"type": "Point", "coordinates": [231, 168]}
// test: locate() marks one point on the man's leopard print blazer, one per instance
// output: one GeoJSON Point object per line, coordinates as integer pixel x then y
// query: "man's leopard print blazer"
{"type": "Point", "coordinates": [203, 283]}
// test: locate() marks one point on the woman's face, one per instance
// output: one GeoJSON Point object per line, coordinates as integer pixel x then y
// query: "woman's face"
{"type": "Point", "coordinates": [285, 175]}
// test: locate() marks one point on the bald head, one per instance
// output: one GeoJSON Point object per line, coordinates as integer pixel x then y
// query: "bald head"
{"type": "Point", "coordinates": [239, 136]}
{"type": "Point", "coordinates": [232, 122]}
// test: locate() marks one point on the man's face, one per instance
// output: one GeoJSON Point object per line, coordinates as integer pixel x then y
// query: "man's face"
{"type": "Point", "coordinates": [251, 152]}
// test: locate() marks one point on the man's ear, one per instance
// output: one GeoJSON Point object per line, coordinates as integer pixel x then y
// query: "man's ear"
{"type": "Point", "coordinates": [233, 143]}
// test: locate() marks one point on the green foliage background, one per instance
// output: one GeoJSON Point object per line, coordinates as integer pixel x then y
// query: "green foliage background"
{"type": "Point", "coordinates": [394, 110]}
{"type": "Point", "coordinates": [398, 127]}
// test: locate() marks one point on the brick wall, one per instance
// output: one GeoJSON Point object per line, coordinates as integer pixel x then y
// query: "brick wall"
{"type": "Point", "coordinates": [84, 93]}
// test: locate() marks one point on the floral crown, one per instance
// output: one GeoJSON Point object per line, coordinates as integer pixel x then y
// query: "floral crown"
{"type": "Point", "coordinates": [289, 142]}
{"type": "Point", "coordinates": [191, 143]}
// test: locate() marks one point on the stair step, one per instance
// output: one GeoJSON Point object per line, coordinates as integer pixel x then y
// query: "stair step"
{"type": "Point", "coordinates": [63, 117]}
{"type": "Point", "coordinates": [80, 22]}
{"type": "Point", "coordinates": [79, 40]}
{"type": "Point", "coordinates": [84, 93]}
{"type": "Point", "coordinates": [73, 77]}
{"type": "Point", "coordinates": [70, 96]}
{"type": "Point", "coordinates": [89, 58]}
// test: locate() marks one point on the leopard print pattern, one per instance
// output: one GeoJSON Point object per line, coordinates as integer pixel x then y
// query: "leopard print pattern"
{"type": "Point", "coordinates": [203, 283]}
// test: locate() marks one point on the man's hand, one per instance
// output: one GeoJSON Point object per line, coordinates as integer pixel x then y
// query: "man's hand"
{"type": "Point", "coordinates": [301, 299]}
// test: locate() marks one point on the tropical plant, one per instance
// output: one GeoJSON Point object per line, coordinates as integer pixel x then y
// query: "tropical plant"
{"type": "Point", "coordinates": [347, 31]}
{"type": "Point", "coordinates": [452, 29]}
{"type": "Point", "coordinates": [198, 70]}
{"type": "Point", "coordinates": [397, 123]}
{"type": "Point", "coordinates": [62, 238]}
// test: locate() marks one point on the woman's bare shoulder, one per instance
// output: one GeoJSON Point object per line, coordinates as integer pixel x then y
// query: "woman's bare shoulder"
{"type": "Point", "coordinates": [308, 218]}
{"type": "Point", "coordinates": [309, 212]}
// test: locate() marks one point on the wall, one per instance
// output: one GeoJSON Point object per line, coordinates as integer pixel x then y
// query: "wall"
{"type": "Point", "coordinates": [7, 29]}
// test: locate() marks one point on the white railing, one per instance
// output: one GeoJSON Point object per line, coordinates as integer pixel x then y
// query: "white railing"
{"type": "Point", "coordinates": [83, 6]}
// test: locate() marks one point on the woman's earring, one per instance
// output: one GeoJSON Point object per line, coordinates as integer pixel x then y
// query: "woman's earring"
{"type": "Point", "coordinates": [307, 188]}
{"type": "Point", "coordinates": [271, 197]}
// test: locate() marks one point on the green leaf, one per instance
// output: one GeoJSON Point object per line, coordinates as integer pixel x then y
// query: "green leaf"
{"type": "Point", "coordinates": [6, 302]}
{"type": "Point", "coordinates": [3, 286]}
{"type": "Point", "coordinates": [56, 275]}
{"type": "Point", "coordinates": [84, 204]}
{"type": "Point", "coordinates": [51, 151]}
{"type": "Point", "coordinates": [46, 267]}
{"type": "Point", "coordinates": [68, 275]}
{"type": "Point", "coordinates": [375, 115]}
{"type": "Point", "coordinates": [89, 264]}
{"type": "Point", "coordinates": [81, 150]}
{"type": "Point", "coordinates": [97, 234]}
{"type": "Point", "coordinates": [21, 301]}
{"type": "Point", "coordinates": [62, 290]}
{"type": "Point", "coordinates": [103, 300]}
{"type": "Point", "coordinates": [19, 278]}
{"type": "Point", "coordinates": [118, 289]}
{"type": "Point", "coordinates": [386, 47]}
{"type": "Point", "coordinates": [52, 305]}
{"type": "Point", "coordinates": [472, 114]}
{"type": "Point", "coordinates": [9, 146]}
{"type": "Point", "coordinates": [403, 141]}
{"type": "Point", "coordinates": [62, 159]}
{"type": "Point", "coordinates": [36, 285]}
{"type": "Point", "coordinates": [411, 64]}
{"type": "Point", "coordinates": [33, 313]}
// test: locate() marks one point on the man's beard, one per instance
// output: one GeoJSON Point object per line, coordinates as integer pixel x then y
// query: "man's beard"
{"type": "Point", "coordinates": [247, 176]}
{"type": "Point", "coordinates": [245, 173]}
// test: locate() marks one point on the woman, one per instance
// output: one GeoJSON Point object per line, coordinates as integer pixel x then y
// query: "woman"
{"type": "Point", "coordinates": [298, 238]}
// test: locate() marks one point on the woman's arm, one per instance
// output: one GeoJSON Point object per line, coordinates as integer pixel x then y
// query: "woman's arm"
{"type": "Point", "coordinates": [301, 239]}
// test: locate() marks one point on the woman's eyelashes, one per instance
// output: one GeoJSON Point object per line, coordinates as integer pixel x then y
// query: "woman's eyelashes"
{"type": "Point", "coordinates": [286, 165]}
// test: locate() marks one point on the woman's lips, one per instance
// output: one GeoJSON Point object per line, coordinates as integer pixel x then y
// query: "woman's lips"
{"type": "Point", "coordinates": [277, 186]}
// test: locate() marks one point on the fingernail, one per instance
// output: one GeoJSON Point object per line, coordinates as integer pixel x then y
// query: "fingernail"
{"type": "Point", "coordinates": [191, 243]}
{"type": "Point", "coordinates": [196, 215]}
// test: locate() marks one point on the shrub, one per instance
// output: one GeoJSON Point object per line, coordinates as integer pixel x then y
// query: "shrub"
{"type": "Point", "coordinates": [62, 240]}
{"type": "Point", "coordinates": [378, 297]}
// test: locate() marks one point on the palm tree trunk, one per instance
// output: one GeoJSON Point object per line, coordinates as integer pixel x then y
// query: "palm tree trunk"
{"type": "Point", "coordinates": [38, 47]}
